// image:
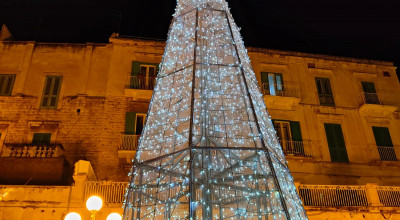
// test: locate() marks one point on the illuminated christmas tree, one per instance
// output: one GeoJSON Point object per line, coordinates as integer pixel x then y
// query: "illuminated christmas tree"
{"type": "Point", "coordinates": [208, 149]}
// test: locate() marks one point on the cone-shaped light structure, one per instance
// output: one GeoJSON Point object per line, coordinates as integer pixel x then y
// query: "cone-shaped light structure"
{"type": "Point", "coordinates": [208, 149]}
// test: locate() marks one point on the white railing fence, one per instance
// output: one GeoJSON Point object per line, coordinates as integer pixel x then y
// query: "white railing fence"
{"type": "Point", "coordinates": [129, 142]}
{"type": "Point", "coordinates": [110, 192]}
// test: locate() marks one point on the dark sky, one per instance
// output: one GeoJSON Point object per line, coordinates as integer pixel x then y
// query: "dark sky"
{"type": "Point", "coordinates": [351, 28]}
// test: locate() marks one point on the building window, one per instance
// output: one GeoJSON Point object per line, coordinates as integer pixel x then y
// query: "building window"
{"type": "Point", "coordinates": [290, 138]}
{"type": "Point", "coordinates": [272, 83]}
{"type": "Point", "coordinates": [336, 144]}
{"type": "Point", "coordinates": [369, 93]}
{"type": "Point", "coordinates": [384, 144]}
{"type": "Point", "coordinates": [324, 91]}
{"type": "Point", "coordinates": [134, 123]}
{"type": "Point", "coordinates": [6, 84]}
{"type": "Point", "coordinates": [41, 138]}
{"type": "Point", "coordinates": [143, 75]}
{"type": "Point", "coordinates": [51, 92]}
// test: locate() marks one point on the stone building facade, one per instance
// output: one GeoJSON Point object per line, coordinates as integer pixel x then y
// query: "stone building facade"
{"type": "Point", "coordinates": [64, 105]}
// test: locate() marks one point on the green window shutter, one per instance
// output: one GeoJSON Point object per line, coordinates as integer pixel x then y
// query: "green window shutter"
{"type": "Point", "coordinates": [382, 136]}
{"type": "Point", "coordinates": [135, 68]}
{"type": "Point", "coordinates": [296, 131]}
{"type": "Point", "coordinates": [336, 144]}
{"type": "Point", "coordinates": [264, 77]}
{"type": "Point", "coordinates": [368, 87]}
{"type": "Point", "coordinates": [41, 138]}
{"type": "Point", "coordinates": [51, 92]}
{"type": "Point", "coordinates": [6, 84]}
{"type": "Point", "coordinates": [130, 121]}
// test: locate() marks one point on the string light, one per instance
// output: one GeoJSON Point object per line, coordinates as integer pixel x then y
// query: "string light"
{"type": "Point", "coordinates": [208, 149]}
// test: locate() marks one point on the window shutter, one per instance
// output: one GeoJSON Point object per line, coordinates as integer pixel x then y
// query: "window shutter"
{"type": "Point", "coordinates": [296, 131]}
{"type": "Point", "coordinates": [264, 77]}
{"type": "Point", "coordinates": [336, 144]}
{"type": "Point", "coordinates": [130, 121]}
{"type": "Point", "coordinates": [41, 138]}
{"type": "Point", "coordinates": [382, 136]}
{"type": "Point", "coordinates": [135, 68]}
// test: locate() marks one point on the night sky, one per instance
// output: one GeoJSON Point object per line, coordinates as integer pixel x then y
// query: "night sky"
{"type": "Point", "coordinates": [351, 28]}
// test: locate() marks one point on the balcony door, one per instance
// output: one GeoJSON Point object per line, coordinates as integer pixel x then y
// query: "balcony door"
{"type": "Point", "coordinates": [384, 144]}
{"type": "Point", "coordinates": [336, 144]}
{"type": "Point", "coordinates": [272, 83]}
{"type": "Point", "coordinates": [148, 74]}
{"type": "Point", "coordinates": [324, 91]}
{"type": "Point", "coordinates": [289, 135]}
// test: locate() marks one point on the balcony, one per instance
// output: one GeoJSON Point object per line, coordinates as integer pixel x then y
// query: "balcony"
{"type": "Point", "coordinates": [128, 146]}
{"type": "Point", "coordinates": [377, 104]}
{"type": "Point", "coordinates": [33, 164]}
{"type": "Point", "coordinates": [285, 96]}
{"type": "Point", "coordinates": [32, 151]}
{"type": "Point", "coordinates": [140, 87]}
{"type": "Point", "coordinates": [313, 196]}
{"type": "Point", "coordinates": [384, 153]}
{"type": "Point", "coordinates": [297, 148]}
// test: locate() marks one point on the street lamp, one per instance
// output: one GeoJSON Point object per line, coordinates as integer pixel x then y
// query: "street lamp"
{"type": "Point", "coordinates": [94, 204]}
{"type": "Point", "coordinates": [114, 216]}
{"type": "Point", "coordinates": [72, 216]}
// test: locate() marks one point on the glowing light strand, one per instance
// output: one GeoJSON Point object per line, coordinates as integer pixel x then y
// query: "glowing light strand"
{"type": "Point", "coordinates": [208, 149]}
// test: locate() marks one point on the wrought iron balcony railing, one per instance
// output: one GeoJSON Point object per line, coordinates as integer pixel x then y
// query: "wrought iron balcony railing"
{"type": "Point", "coordinates": [141, 82]}
{"type": "Point", "coordinates": [297, 148]}
{"type": "Point", "coordinates": [129, 142]}
{"type": "Point", "coordinates": [311, 195]}
{"type": "Point", "coordinates": [385, 153]}
{"type": "Point", "coordinates": [111, 192]}
{"type": "Point", "coordinates": [32, 150]}
{"type": "Point", "coordinates": [333, 195]}
{"type": "Point", "coordinates": [389, 195]}
{"type": "Point", "coordinates": [287, 89]}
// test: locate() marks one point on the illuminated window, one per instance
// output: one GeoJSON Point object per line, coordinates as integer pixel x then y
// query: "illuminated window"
{"type": "Point", "coordinates": [272, 83]}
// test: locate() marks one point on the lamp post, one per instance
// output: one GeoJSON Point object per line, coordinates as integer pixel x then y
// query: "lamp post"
{"type": "Point", "coordinates": [94, 204]}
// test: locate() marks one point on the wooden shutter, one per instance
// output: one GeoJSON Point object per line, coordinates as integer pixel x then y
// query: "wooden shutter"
{"type": "Point", "coordinates": [130, 121]}
{"type": "Point", "coordinates": [135, 68]}
{"type": "Point", "coordinates": [296, 131]}
{"type": "Point", "coordinates": [51, 92]}
{"type": "Point", "coordinates": [336, 144]}
{"type": "Point", "coordinates": [41, 138]}
{"type": "Point", "coordinates": [264, 77]}
{"type": "Point", "coordinates": [382, 136]}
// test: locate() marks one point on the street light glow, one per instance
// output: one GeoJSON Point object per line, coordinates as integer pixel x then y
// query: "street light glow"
{"type": "Point", "coordinates": [72, 216]}
{"type": "Point", "coordinates": [114, 216]}
{"type": "Point", "coordinates": [94, 203]}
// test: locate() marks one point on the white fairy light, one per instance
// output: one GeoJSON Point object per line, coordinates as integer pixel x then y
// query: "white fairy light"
{"type": "Point", "coordinates": [208, 149]}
